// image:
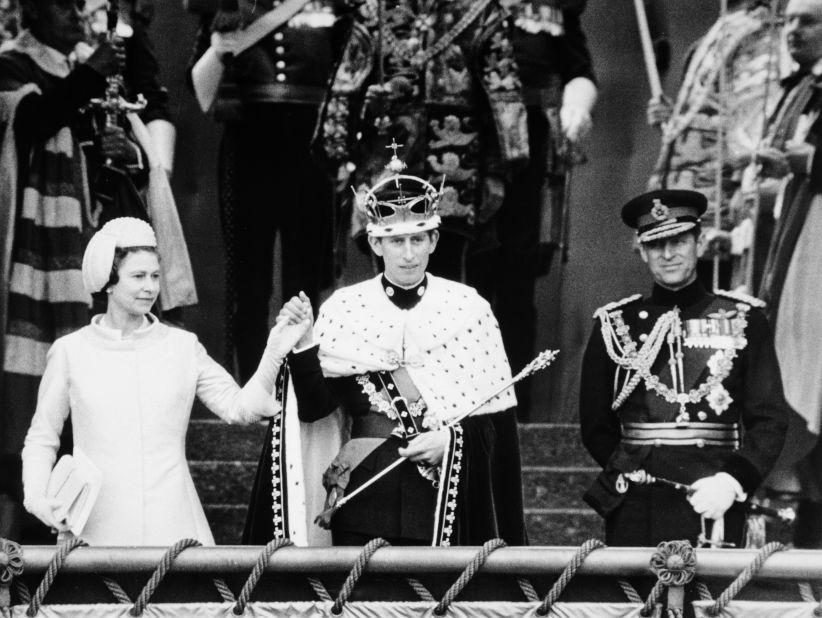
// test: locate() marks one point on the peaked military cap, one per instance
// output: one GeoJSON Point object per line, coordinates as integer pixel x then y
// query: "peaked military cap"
{"type": "Point", "coordinates": [664, 212]}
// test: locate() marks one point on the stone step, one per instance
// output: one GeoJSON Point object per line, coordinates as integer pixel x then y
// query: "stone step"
{"type": "Point", "coordinates": [541, 444]}
{"type": "Point", "coordinates": [545, 526]}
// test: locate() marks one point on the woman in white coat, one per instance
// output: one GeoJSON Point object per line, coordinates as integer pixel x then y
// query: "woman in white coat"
{"type": "Point", "coordinates": [129, 382]}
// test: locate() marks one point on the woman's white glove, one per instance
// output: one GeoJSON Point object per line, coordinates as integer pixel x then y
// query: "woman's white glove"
{"type": "Point", "coordinates": [713, 495]}
{"type": "Point", "coordinates": [43, 509]}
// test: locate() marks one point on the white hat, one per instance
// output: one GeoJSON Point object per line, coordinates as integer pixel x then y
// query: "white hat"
{"type": "Point", "coordinates": [99, 256]}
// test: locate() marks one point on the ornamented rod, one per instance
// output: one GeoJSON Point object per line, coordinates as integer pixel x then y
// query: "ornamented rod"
{"type": "Point", "coordinates": [543, 360]}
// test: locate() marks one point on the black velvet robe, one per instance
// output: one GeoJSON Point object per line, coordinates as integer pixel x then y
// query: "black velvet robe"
{"type": "Point", "coordinates": [401, 505]}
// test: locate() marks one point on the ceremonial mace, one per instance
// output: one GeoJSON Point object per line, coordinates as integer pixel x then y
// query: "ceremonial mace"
{"type": "Point", "coordinates": [113, 105]}
{"type": "Point", "coordinates": [542, 361]}
{"type": "Point", "coordinates": [786, 515]}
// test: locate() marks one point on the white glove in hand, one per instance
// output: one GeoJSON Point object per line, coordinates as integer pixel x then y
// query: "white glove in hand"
{"type": "Point", "coordinates": [576, 122]}
{"type": "Point", "coordinates": [43, 509]}
{"type": "Point", "coordinates": [713, 495]}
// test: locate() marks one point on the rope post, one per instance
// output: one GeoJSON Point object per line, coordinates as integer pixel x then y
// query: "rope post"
{"type": "Point", "coordinates": [674, 564]}
{"type": "Point", "coordinates": [11, 566]}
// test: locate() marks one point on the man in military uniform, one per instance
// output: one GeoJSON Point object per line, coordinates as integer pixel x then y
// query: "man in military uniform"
{"type": "Point", "coordinates": [389, 369]}
{"type": "Point", "coordinates": [682, 385]}
{"type": "Point", "coordinates": [268, 99]}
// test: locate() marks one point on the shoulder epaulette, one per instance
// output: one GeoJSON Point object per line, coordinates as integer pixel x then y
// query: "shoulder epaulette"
{"type": "Point", "coordinates": [617, 304]}
{"type": "Point", "coordinates": [742, 297]}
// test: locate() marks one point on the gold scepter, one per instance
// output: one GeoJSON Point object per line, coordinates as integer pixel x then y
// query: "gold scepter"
{"type": "Point", "coordinates": [542, 361]}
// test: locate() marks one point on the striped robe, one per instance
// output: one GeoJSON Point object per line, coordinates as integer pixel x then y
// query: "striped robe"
{"type": "Point", "coordinates": [44, 207]}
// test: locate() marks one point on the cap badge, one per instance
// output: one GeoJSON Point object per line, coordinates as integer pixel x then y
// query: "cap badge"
{"type": "Point", "coordinates": [660, 211]}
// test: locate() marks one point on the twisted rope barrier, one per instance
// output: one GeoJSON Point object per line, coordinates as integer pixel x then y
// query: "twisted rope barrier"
{"type": "Point", "coordinates": [472, 569]}
{"type": "Point", "coordinates": [360, 563]}
{"type": "Point", "coordinates": [54, 562]}
{"type": "Point", "coordinates": [53, 568]}
{"type": "Point", "coordinates": [703, 591]}
{"type": "Point", "coordinates": [528, 589]}
{"type": "Point", "coordinates": [629, 591]}
{"type": "Point", "coordinates": [117, 591]}
{"type": "Point", "coordinates": [23, 592]}
{"type": "Point", "coordinates": [319, 589]}
{"type": "Point", "coordinates": [806, 592]}
{"type": "Point", "coordinates": [744, 578]}
{"type": "Point", "coordinates": [567, 575]}
{"type": "Point", "coordinates": [422, 592]}
{"type": "Point", "coordinates": [257, 572]}
{"type": "Point", "coordinates": [654, 597]}
{"type": "Point", "coordinates": [159, 573]}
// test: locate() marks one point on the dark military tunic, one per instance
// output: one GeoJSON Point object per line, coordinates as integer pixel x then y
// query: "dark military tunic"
{"type": "Point", "coordinates": [268, 181]}
{"type": "Point", "coordinates": [645, 515]}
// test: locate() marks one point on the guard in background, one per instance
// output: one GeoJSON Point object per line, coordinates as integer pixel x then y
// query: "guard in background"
{"type": "Point", "coordinates": [267, 100]}
{"type": "Point", "coordinates": [439, 78]}
{"type": "Point", "coordinates": [730, 82]}
{"type": "Point", "coordinates": [790, 281]}
{"type": "Point", "coordinates": [682, 385]}
{"type": "Point", "coordinates": [518, 243]}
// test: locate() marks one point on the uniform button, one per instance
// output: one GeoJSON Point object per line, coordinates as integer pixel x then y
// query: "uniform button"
{"type": "Point", "coordinates": [700, 443]}
{"type": "Point", "coordinates": [643, 337]}
{"type": "Point", "coordinates": [280, 64]}
{"type": "Point", "coordinates": [278, 36]}
{"type": "Point", "coordinates": [657, 442]}
{"type": "Point", "coordinates": [643, 314]}
{"type": "Point", "coordinates": [280, 50]}
{"type": "Point", "coordinates": [701, 415]}
{"type": "Point", "coordinates": [280, 77]}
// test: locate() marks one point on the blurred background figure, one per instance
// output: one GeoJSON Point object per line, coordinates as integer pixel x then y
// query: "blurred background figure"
{"type": "Point", "coordinates": [731, 80]}
{"type": "Point", "coordinates": [141, 72]}
{"type": "Point", "coordinates": [48, 74]}
{"type": "Point", "coordinates": [9, 20]}
{"type": "Point", "coordinates": [267, 93]}
{"type": "Point", "coordinates": [518, 244]}
{"type": "Point", "coordinates": [440, 80]}
{"type": "Point", "coordinates": [790, 282]}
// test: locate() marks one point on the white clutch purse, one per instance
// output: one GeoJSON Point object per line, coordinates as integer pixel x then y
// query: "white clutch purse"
{"type": "Point", "coordinates": [74, 484]}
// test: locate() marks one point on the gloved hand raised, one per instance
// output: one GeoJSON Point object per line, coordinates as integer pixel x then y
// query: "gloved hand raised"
{"type": "Point", "coordinates": [713, 495]}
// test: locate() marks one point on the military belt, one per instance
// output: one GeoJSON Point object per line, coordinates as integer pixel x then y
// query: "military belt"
{"type": "Point", "coordinates": [372, 425]}
{"type": "Point", "coordinates": [681, 434]}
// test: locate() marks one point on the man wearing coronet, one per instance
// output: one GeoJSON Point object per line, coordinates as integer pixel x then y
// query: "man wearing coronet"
{"type": "Point", "coordinates": [386, 370]}
{"type": "Point", "coordinates": [683, 386]}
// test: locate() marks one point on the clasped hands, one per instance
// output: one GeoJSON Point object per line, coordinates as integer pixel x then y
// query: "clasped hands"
{"type": "Point", "coordinates": [294, 329]}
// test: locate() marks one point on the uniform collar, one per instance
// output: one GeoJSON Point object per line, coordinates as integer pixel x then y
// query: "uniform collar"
{"type": "Point", "coordinates": [685, 297]}
{"type": "Point", "coordinates": [404, 298]}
